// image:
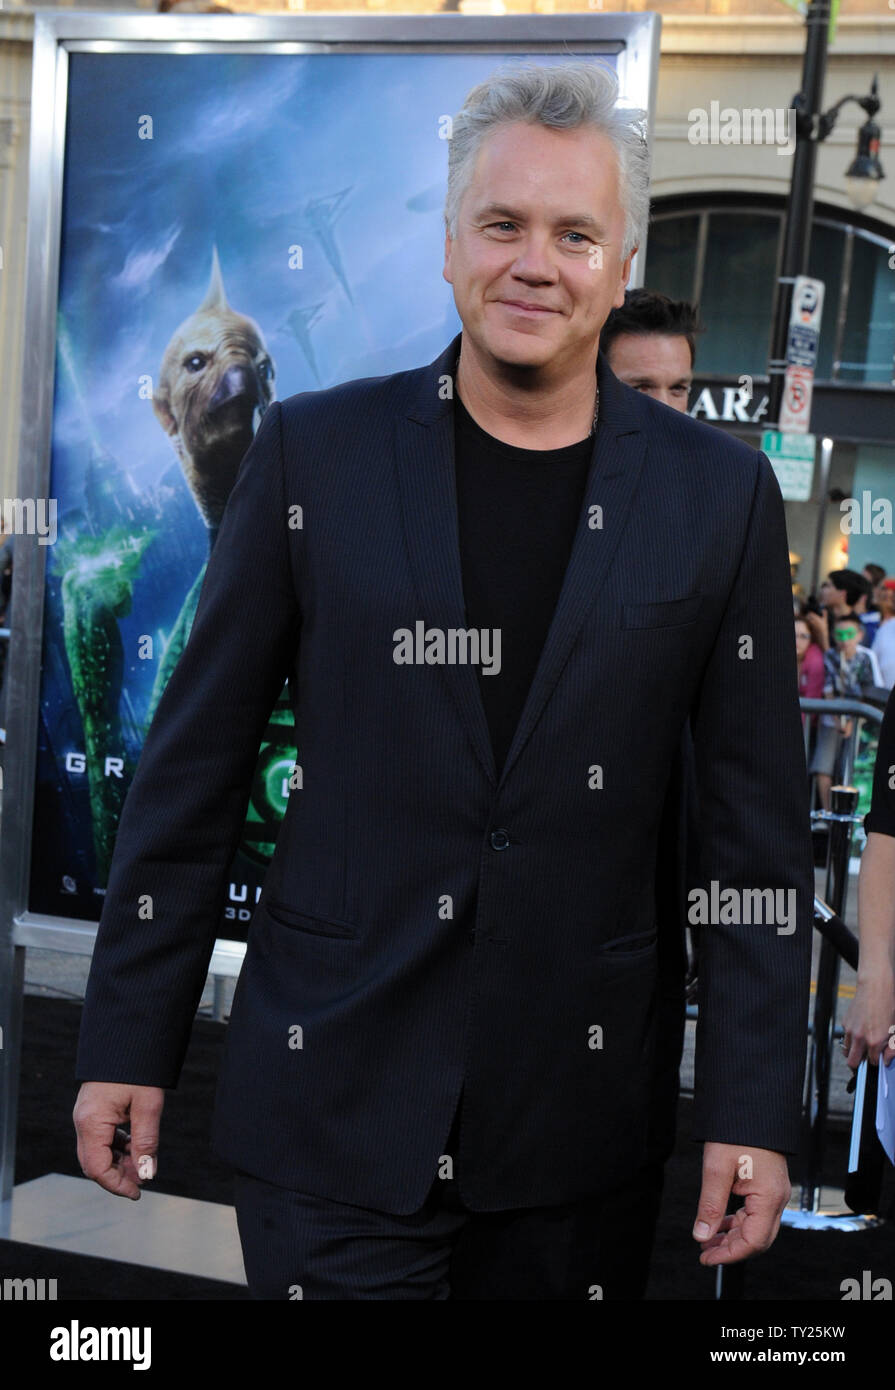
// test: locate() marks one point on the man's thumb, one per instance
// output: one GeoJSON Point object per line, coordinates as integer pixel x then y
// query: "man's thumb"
{"type": "Point", "coordinates": [145, 1117]}
{"type": "Point", "coordinates": [712, 1204]}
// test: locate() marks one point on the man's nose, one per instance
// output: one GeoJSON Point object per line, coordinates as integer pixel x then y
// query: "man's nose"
{"type": "Point", "coordinates": [534, 261]}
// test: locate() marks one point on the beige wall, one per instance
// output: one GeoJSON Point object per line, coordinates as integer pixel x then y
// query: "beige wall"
{"type": "Point", "coordinates": [757, 63]}
{"type": "Point", "coordinates": [709, 52]}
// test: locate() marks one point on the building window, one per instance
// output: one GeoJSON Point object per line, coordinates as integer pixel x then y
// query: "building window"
{"type": "Point", "coordinates": [737, 291]}
{"type": "Point", "coordinates": [671, 255]}
{"type": "Point", "coordinates": [866, 351]}
{"type": "Point", "coordinates": [725, 256]}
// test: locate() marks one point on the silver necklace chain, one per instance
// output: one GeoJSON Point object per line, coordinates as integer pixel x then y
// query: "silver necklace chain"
{"type": "Point", "coordinates": [596, 397]}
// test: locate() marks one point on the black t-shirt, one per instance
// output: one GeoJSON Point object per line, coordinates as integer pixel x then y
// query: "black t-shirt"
{"type": "Point", "coordinates": [517, 513]}
{"type": "Point", "coordinates": [881, 816]}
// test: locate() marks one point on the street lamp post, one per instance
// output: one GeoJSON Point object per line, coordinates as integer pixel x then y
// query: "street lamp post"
{"type": "Point", "coordinates": [862, 177]}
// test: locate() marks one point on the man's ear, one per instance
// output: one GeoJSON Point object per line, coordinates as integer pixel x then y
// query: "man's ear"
{"type": "Point", "coordinates": [624, 275]}
{"type": "Point", "coordinates": [448, 244]}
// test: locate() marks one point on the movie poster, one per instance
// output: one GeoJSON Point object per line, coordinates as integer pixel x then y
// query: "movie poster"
{"type": "Point", "coordinates": [236, 227]}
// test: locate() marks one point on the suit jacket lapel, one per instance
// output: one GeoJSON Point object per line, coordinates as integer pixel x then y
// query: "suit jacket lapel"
{"type": "Point", "coordinates": [424, 454]}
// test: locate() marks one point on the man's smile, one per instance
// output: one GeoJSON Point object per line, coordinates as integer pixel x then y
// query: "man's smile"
{"type": "Point", "coordinates": [521, 307]}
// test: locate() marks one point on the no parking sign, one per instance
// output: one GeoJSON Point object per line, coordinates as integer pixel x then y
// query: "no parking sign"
{"type": "Point", "coordinates": [795, 408]}
{"type": "Point", "coordinates": [801, 354]}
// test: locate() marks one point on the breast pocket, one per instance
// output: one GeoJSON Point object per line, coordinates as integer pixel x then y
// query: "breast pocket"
{"type": "Point", "coordinates": [631, 947]}
{"type": "Point", "coordinates": [674, 612]}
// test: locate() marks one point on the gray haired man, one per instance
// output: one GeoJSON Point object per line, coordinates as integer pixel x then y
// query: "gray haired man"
{"type": "Point", "coordinates": [442, 1057]}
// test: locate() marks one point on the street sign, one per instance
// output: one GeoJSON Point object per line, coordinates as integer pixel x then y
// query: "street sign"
{"type": "Point", "coordinates": [801, 346]}
{"type": "Point", "coordinates": [795, 408]}
{"type": "Point", "coordinates": [807, 303]}
{"type": "Point", "coordinates": [801, 354]}
{"type": "Point", "coordinates": [792, 458]}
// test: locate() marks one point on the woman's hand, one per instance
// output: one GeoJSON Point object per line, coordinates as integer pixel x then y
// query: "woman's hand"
{"type": "Point", "coordinates": [870, 1022]}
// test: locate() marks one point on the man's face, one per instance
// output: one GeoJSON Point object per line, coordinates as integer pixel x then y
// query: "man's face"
{"type": "Point", "coordinates": [658, 364]}
{"type": "Point", "coordinates": [830, 596]}
{"type": "Point", "coordinates": [539, 225]}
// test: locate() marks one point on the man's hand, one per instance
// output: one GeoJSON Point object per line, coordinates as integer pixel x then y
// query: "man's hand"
{"type": "Point", "coordinates": [759, 1175]}
{"type": "Point", "coordinates": [100, 1107]}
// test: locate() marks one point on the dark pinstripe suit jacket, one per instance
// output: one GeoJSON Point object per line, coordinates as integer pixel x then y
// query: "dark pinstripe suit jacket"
{"type": "Point", "coordinates": [426, 925]}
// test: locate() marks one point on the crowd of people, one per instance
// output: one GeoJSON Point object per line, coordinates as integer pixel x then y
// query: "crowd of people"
{"type": "Point", "coordinates": [845, 648]}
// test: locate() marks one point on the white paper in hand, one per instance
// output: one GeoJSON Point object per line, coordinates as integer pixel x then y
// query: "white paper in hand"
{"type": "Point", "coordinates": [885, 1108]}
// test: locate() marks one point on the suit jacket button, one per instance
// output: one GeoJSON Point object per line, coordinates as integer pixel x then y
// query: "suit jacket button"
{"type": "Point", "coordinates": [499, 839]}
{"type": "Point", "coordinates": [471, 934]}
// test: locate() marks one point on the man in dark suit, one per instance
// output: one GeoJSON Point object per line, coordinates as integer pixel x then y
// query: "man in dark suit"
{"type": "Point", "coordinates": [442, 1055]}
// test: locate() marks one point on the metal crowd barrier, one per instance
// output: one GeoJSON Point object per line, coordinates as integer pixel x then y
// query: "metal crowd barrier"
{"type": "Point", "coordinates": [838, 944]}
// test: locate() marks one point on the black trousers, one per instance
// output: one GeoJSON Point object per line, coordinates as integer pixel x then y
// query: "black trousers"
{"type": "Point", "coordinates": [298, 1246]}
